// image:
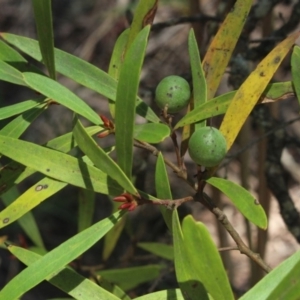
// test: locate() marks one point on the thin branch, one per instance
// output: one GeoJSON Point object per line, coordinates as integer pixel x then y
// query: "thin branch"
{"type": "Point", "coordinates": [230, 229]}
{"type": "Point", "coordinates": [228, 249]}
{"type": "Point", "coordinates": [208, 203]}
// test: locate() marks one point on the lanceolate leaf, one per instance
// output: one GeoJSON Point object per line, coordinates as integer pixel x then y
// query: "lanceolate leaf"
{"type": "Point", "coordinates": [15, 59]}
{"type": "Point", "coordinates": [18, 125]}
{"type": "Point", "coordinates": [159, 249]}
{"type": "Point", "coordinates": [67, 280]}
{"type": "Point", "coordinates": [14, 173]}
{"type": "Point", "coordinates": [34, 196]}
{"type": "Point", "coordinates": [112, 237]}
{"type": "Point", "coordinates": [220, 104]}
{"type": "Point", "coordinates": [15, 109]}
{"type": "Point", "coordinates": [27, 222]}
{"type": "Point", "coordinates": [10, 74]}
{"type": "Point", "coordinates": [59, 166]}
{"type": "Point", "coordinates": [243, 200]}
{"type": "Point", "coordinates": [214, 107]}
{"type": "Point", "coordinates": [116, 62]}
{"type": "Point", "coordinates": [281, 283]}
{"type": "Point", "coordinates": [162, 295]}
{"type": "Point", "coordinates": [10, 55]}
{"type": "Point", "coordinates": [54, 261]}
{"type": "Point", "coordinates": [86, 209]}
{"type": "Point", "coordinates": [100, 158]}
{"type": "Point", "coordinates": [296, 70]}
{"type": "Point", "coordinates": [129, 278]}
{"type": "Point", "coordinates": [187, 273]}
{"type": "Point", "coordinates": [250, 91]}
{"type": "Point", "coordinates": [80, 71]}
{"type": "Point", "coordinates": [143, 16]}
{"type": "Point", "coordinates": [162, 187]}
{"type": "Point", "coordinates": [43, 20]}
{"type": "Point", "coordinates": [152, 133]}
{"type": "Point", "coordinates": [61, 94]}
{"type": "Point", "coordinates": [126, 98]}
{"type": "Point", "coordinates": [199, 83]}
{"type": "Point", "coordinates": [205, 259]}
{"type": "Point", "coordinates": [223, 44]}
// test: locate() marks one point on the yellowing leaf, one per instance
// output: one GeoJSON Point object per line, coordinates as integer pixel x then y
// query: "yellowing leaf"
{"type": "Point", "coordinates": [223, 44]}
{"type": "Point", "coordinates": [250, 91]}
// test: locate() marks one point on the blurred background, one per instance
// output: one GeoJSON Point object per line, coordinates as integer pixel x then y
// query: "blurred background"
{"type": "Point", "coordinates": [89, 29]}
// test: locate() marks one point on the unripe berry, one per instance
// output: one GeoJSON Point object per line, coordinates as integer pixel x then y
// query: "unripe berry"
{"type": "Point", "coordinates": [174, 91]}
{"type": "Point", "coordinates": [207, 146]}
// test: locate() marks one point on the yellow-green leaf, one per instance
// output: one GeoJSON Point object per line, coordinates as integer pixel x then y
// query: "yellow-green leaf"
{"type": "Point", "coordinates": [250, 91]}
{"type": "Point", "coordinates": [223, 44]}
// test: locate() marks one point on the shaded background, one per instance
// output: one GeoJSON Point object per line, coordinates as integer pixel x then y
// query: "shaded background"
{"type": "Point", "coordinates": [89, 30]}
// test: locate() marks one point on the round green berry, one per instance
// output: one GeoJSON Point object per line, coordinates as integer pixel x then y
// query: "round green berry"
{"type": "Point", "coordinates": [173, 91]}
{"type": "Point", "coordinates": [207, 146]}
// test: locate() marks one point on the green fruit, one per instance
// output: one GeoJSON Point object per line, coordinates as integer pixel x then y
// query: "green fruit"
{"type": "Point", "coordinates": [174, 91]}
{"type": "Point", "coordinates": [207, 146]}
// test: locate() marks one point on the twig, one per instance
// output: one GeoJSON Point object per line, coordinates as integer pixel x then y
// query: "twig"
{"type": "Point", "coordinates": [175, 168]}
{"type": "Point", "coordinates": [225, 222]}
{"type": "Point", "coordinates": [208, 203]}
{"type": "Point", "coordinates": [228, 249]}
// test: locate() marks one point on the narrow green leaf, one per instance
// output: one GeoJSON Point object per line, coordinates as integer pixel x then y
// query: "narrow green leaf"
{"type": "Point", "coordinates": [116, 62]}
{"type": "Point", "coordinates": [281, 283]}
{"type": "Point", "coordinates": [86, 208]}
{"type": "Point", "coordinates": [126, 99]}
{"type": "Point", "coordinates": [18, 126]}
{"type": "Point", "coordinates": [277, 91]}
{"type": "Point", "coordinates": [79, 71]}
{"type": "Point", "coordinates": [144, 15]}
{"type": "Point", "coordinates": [59, 166]}
{"type": "Point", "coordinates": [10, 55]}
{"type": "Point", "coordinates": [14, 173]}
{"type": "Point", "coordinates": [67, 280]}
{"type": "Point", "coordinates": [61, 94]}
{"type": "Point", "coordinates": [163, 190]}
{"type": "Point", "coordinates": [152, 133]}
{"type": "Point", "coordinates": [128, 278]}
{"type": "Point", "coordinates": [43, 20]}
{"type": "Point", "coordinates": [159, 249]}
{"type": "Point", "coordinates": [219, 105]}
{"type": "Point", "coordinates": [15, 109]}
{"type": "Point", "coordinates": [31, 198]}
{"type": "Point", "coordinates": [163, 295]}
{"type": "Point", "coordinates": [27, 221]}
{"type": "Point", "coordinates": [203, 254]}
{"type": "Point", "coordinates": [243, 200]}
{"type": "Point", "coordinates": [112, 288]}
{"type": "Point", "coordinates": [112, 237]}
{"type": "Point", "coordinates": [15, 59]}
{"type": "Point", "coordinates": [66, 142]}
{"type": "Point", "coordinates": [199, 82]}
{"type": "Point", "coordinates": [10, 74]}
{"type": "Point", "coordinates": [100, 158]}
{"type": "Point", "coordinates": [186, 270]}
{"type": "Point", "coordinates": [54, 261]}
{"type": "Point", "coordinates": [295, 62]}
